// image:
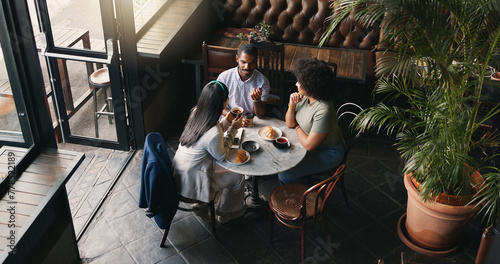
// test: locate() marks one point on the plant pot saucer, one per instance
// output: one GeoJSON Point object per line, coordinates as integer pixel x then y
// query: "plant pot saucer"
{"type": "Point", "coordinates": [403, 235]}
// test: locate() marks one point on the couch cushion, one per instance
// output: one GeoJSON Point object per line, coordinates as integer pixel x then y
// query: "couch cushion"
{"type": "Point", "coordinates": [298, 21]}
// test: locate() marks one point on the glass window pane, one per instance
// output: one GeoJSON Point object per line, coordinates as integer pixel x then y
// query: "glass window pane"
{"type": "Point", "coordinates": [75, 24]}
{"type": "Point", "coordinates": [144, 10]}
{"type": "Point", "coordinates": [93, 114]}
{"type": "Point", "coordinates": [9, 121]}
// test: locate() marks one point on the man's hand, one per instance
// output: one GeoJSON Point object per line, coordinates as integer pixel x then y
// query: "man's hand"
{"type": "Point", "coordinates": [256, 94]}
{"type": "Point", "coordinates": [245, 122]}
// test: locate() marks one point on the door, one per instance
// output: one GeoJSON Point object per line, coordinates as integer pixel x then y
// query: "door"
{"type": "Point", "coordinates": [78, 40]}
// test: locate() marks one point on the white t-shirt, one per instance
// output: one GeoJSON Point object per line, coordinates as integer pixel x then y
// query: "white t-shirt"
{"type": "Point", "coordinates": [239, 91]}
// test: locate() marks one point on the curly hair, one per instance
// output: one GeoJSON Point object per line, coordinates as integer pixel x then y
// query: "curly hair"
{"type": "Point", "coordinates": [315, 76]}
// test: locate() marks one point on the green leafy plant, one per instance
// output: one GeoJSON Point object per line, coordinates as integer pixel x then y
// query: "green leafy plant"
{"type": "Point", "coordinates": [435, 54]}
{"type": "Point", "coordinates": [260, 32]}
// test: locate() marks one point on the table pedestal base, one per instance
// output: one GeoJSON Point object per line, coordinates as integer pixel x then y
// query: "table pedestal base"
{"type": "Point", "coordinates": [255, 200]}
{"type": "Point", "coordinates": [253, 203]}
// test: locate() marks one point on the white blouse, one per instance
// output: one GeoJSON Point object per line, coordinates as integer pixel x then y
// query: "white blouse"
{"type": "Point", "coordinates": [193, 166]}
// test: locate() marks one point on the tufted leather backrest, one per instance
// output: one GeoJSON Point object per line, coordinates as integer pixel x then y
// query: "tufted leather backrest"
{"type": "Point", "coordinates": [299, 21]}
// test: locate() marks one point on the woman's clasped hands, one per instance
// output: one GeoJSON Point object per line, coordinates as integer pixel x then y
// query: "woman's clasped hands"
{"type": "Point", "coordinates": [236, 123]}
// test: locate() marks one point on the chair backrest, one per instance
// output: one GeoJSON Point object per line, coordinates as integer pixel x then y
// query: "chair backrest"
{"type": "Point", "coordinates": [271, 62]}
{"type": "Point", "coordinates": [346, 113]}
{"type": "Point", "coordinates": [320, 192]}
{"type": "Point", "coordinates": [333, 65]}
{"type": "Point", "coordinates": [217, 59]}
{"type": "Point", "coordinates": [158, 191]}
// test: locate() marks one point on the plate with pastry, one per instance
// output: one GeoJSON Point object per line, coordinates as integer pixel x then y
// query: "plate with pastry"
{"type": "Point", "coordinates": [238, 156]}
{"type": "Point", "coordinates": [269, 133]}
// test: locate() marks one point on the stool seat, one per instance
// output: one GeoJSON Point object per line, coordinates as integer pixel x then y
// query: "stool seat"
{"type": "Point", "coordinates": [100, 77]}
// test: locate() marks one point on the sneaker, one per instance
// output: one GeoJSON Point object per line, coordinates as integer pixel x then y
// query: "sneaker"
{"type": "Point", "coordinates": [199, 206]}
{"type": "Point", "coordinates": [202, 210]}
{"type": "Point", "coordinates": [225, 218]}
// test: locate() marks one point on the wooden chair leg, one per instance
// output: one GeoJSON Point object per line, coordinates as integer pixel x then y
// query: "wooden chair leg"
{"type": "Point", "coordinates": [165, 234]}
{"type": "Point", "coordinates": [212, 216]}
{"type": "Point", "coordinates": [303, 243]}
{"type": "Point", "coordinates": [342, 186]}
{"type": "Point", "coordinates": [271, 226]}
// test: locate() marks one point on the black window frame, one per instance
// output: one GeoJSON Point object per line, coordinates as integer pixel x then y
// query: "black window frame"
{"type": "Point", "coordinates": [25, 75]}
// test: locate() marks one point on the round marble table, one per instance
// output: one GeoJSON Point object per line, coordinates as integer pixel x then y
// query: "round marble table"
{"type": "Point", "coordinates": [268, 160]}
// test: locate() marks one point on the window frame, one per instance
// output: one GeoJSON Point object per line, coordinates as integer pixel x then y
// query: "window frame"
{"type": "Point", "coordinates": [25, 75]}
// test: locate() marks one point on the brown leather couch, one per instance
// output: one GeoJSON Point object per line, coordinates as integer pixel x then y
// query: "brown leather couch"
{"type": "Point", "coordinates": [298, 21]}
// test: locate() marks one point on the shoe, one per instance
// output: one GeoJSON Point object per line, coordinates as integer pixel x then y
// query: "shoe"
{"type": "Point", "coordinates": [226, 217]}
{"type": "Point", "coordinates": [202, 210]}
{"type": "Point", "coordinates": [199, 206]}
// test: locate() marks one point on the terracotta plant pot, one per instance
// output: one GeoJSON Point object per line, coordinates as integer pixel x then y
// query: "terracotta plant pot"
{"type": "Point", "coordinates": [495, 76]}
{"type": "Point", "coordinates": [487, 239]}
{"type": "Point", "coordinates": [434, 226]}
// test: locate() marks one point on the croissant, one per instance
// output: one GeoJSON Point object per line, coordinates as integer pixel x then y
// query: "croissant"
{"type": "Point", "coordinates": [269, 132]}
{"type": "Point", "coordinates": [241, 156]}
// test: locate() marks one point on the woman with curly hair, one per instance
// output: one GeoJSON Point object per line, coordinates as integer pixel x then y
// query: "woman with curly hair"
{"type": "Point", "coordinates": [312, 114]}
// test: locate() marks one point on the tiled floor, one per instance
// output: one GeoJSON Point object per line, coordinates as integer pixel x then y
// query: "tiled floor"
{"type": "Point", "coordinates": [91, 182]}
{"type": "Point", "coordinates": [362, 233]}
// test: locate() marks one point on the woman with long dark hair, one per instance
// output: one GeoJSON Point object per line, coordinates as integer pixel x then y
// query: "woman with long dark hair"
{"type": "Point", "coordinates": [203, 141]}
{"type": "Point", "coordinates": [312, 114]}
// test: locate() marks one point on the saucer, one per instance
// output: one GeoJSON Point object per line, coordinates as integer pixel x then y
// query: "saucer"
{"type": "Point", "coordinates": [250, 146]}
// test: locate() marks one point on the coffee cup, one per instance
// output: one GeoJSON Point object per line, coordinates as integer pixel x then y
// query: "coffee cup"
{"type": "Point", "coordinates": [237, 111]}
{"type": "Point", "coordinates": [248, 119]}
{"type": "Point", "coordinates": [281, 142]}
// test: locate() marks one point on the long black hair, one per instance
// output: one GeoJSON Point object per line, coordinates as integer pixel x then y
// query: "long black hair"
{"type": "Point", "coordinates": [206, 113]}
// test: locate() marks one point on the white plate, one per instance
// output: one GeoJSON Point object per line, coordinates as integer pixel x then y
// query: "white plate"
{"type": "Point", "coordinates": [277, 133]}
{"type": "Point", "coordinates": [231, 156]}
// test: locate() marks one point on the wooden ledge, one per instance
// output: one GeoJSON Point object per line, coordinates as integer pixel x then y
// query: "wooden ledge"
{"type": "Point", "coordinates": [23, 209]}
{"type": "Point", "coordinates": [154, 37]}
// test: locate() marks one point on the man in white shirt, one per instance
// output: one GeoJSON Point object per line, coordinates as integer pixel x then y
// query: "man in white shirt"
{"type": "Point", "coordinates": [248, 88]}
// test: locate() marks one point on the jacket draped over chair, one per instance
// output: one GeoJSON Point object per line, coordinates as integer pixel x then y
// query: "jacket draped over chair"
{"type": "Point", "coordinates": [158, 191]}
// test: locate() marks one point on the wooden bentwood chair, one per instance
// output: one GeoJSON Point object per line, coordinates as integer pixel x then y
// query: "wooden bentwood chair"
{"type": "Point", "coordinates": [345, 115]}
{"type": "Point", "coordinates": [168, 203]}
{"type": "Point", "coordinates": [217, 59]}
{"type": "Point", "coordinates": [298, 205]}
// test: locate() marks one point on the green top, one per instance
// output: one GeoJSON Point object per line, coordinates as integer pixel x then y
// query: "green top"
{"type": "Point", "coordinates": [319, 117]}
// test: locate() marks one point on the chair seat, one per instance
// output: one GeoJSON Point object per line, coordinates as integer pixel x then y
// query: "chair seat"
{"type": "Point", "coordinates": [287, 200]}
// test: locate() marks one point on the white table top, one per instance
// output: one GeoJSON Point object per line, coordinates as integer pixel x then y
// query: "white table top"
{"type": "Point", "coordinates": [268, 160]}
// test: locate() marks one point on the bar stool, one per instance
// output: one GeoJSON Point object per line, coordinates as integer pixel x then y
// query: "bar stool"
{"type": "Point", "coordinates": [99, 79]}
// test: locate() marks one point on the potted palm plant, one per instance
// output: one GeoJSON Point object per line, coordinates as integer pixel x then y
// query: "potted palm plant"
{"type": "Point", "coordinates": [435, 54]}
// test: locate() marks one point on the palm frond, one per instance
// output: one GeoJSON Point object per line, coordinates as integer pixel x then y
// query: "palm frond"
{"type": "Point", "coordinates": [435, 54]}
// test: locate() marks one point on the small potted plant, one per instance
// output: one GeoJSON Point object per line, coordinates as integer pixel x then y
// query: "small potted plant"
{"type": "Point", "coordinates": [261, 32]}
{"type": "Point", "coordinates": [435, 55]}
